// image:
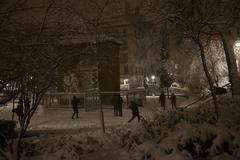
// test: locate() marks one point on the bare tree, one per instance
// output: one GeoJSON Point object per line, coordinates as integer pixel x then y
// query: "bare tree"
{"type": "Point", "coordinates": [92, 16]}
{"type": "Point", "coordinates": [228, 29]}
{"type": "Point", "coordinates": [223, 24]}
{"type": "Point", "coordinates": [190, 19]}
{"type": "Point", "coordinates": [28, 69]}
{"type": "Point", "coordinates": [216, 61]}
{"type": "Point", "coordinates": [37, 75]}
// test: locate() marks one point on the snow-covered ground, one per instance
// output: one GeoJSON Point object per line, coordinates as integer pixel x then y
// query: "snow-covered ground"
{"type": "Point", "coordinates": [60, 118]}
{"type": "Point", "coordinates": [192, 134]}
{"type": "Point", "coordinates": [172, 135]}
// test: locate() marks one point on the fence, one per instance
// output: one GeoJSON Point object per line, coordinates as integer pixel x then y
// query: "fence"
{"type": "Point", "coordinates": [91, 100]}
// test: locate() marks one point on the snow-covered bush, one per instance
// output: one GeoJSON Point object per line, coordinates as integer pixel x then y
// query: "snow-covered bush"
{"type": "Point", "coordinates": [192, 133]}
{"type": "Point", "coordinates": [174, 135]}
{"type": "Point", "coordinates": [207, 140]}
{"type": "Point", "coordinates": [61, 147]}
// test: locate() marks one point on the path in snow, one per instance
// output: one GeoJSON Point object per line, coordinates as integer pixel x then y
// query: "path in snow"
{"type": "Point", "coordinates": [59, 119]}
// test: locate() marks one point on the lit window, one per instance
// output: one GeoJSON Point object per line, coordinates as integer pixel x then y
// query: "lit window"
{"type": "Point", "coordinates": [125, 81]}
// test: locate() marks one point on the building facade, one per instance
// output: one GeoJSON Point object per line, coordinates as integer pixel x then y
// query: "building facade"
{"type": "Point", "coordinates": [123, 24]}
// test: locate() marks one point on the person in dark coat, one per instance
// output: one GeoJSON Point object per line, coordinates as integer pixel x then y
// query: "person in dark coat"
{"type": "Point", "coordinates": [75, 107]}
{"type": "Point", "coordinates": [115, 104]}
{"type": "Point", "coordinates": [19, 110]}
{"type": "Point", "coordinates": [119, 105]}
{"type": "Point", "coordinates": [162, 100]}
{"type": "Point", "coordinates": [173, 100]}
{"type": "Point", "coordinates": [135, 111]}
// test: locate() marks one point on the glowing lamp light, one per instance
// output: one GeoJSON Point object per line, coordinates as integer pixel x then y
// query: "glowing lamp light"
{"type": "Point", "coordinates": [237, 44]}
{"type": "Point", "coordinates": [153, 77]}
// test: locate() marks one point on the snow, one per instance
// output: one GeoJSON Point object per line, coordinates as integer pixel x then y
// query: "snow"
{"type": "Point", "coordinates": [60, 118]}
{"type": "Point", "coordinates": [170, 135]}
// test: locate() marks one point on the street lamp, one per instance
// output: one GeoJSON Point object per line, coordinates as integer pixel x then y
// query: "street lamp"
{"type": "Point", "coordinates": [153, 77]}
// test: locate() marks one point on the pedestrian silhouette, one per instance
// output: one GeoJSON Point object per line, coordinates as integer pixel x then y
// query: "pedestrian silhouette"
{"type": "Point", "coordinates": [75, 107]}
{"type": "Point", "coordinates": [173, 100]}
{"type": "Point", "coordinates": [19, 109]}
{"type": "Point", "coordinates": [135, 112]}
{"type": "Point", "coordinates": [162, 100]}
{"type": "Point", "coordinates": [115, 104]}
{"type": "Point", "coordinates": [119, 105]}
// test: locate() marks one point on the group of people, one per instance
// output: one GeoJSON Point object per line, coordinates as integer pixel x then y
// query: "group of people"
{"type": "Point", "coordinates": [23, 107]}
{"type": "Point", "coordinates": [117, 105]}
{"type": "Point", "coordinates": [118, 102]}
{"type": "Point", "coordinates": [162, 100]}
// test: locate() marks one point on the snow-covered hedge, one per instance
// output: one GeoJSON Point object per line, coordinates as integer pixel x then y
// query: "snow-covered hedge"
{"type": "Point", "coordinates": [189, 134]}
{"type": "Point", "coordinates": [192, 134]}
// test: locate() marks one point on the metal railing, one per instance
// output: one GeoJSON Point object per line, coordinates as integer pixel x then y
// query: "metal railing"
{"type": "Point", "coordinates": [202, 98]}
{"type": "Point", "coordinates": [91, 100]}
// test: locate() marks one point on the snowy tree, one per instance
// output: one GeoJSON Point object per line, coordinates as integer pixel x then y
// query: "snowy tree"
{"type": "Point", "coordinates": [91, 15]}
{"type": "Point", "coordinates": [216, 62]}
{"type": "Point", "coordinates": [27, 65]}
{"type": "Point", "coordinates": [228, 29]}
{"type": "Point", "coordinates": [190, 19]}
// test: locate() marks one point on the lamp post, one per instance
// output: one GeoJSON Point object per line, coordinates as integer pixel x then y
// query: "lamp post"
{"type": "Point", "coordinates": [153, 78]}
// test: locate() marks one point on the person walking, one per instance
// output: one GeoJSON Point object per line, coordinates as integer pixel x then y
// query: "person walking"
{"type": "Point", "coordinates": [75, 107]}
{"type": "Point", "coordinates": [19, 110]}
{"type": "Point", "coordinates": [135, 111]}
{"type": "Point", "coordinates": [119, 105]}
{"type": "Point", "coordinates": [162, 100]}
{"type": "Point", "coordinates": [173, 100]}
{"type": "Point", "coordinates": [115, 104]}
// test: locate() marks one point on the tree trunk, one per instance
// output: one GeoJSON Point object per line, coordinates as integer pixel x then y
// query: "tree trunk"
{"type": "Point", "coordinates": [101, 108]}
{"type": "Point", "coordinates": [232, 65]}
{"type": "Point", "coordinates": [167, 92]}
{"type": "Point", "coordinates": [210, 82]}
{"type": "Point", "coordinates": [100, 100]}
{"type": "Point", "coordinates": [13, 108]}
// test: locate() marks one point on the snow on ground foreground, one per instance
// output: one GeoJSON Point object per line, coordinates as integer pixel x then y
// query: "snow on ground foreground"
{"type": "Point", "coordinates": [192, 134]}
